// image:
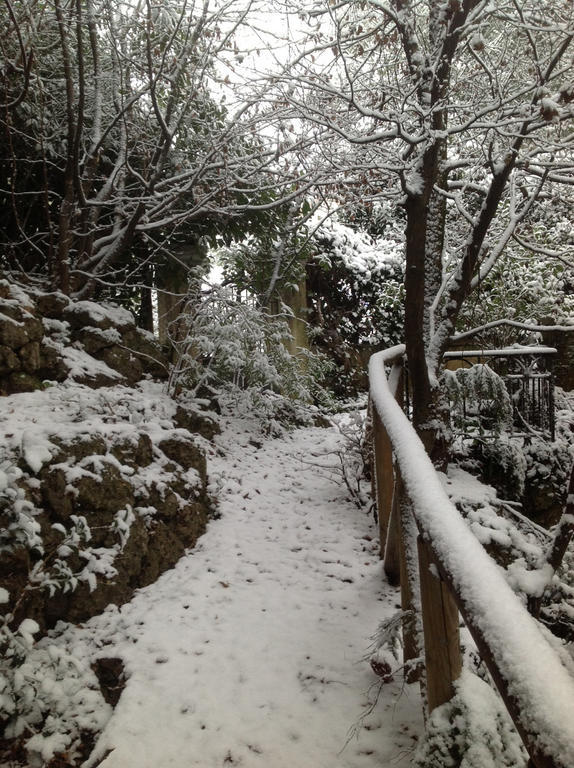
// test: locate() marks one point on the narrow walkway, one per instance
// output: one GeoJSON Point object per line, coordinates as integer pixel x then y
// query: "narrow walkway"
{"type": "Point", "coordinates": [249, 652]}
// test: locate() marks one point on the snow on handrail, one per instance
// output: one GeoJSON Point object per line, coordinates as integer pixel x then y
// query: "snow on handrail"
{"type": "Point", "coordinates": [527, 666]}
{"type": "Point", "coordinates": [515, 351]}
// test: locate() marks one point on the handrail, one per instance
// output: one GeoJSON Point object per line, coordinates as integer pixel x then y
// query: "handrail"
{"type": "Point", "coordinates": [532, 680]}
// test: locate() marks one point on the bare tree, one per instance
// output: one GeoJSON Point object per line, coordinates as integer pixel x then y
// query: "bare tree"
{"type": "Point", "coordinates": [459, 110]}
{"type": "Point", "coordinates": [124, 139]}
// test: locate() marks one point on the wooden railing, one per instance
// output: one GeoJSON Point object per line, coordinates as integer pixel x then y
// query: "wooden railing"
{"type": "Point", "coordinates": [424, 539]}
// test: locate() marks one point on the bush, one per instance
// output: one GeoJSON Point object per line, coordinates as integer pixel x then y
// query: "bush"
{"type": "Point", "coordinates": [479, 400]}
{"type": "Point", "coordinates": [502, 465]}
{"type": "Point", "coordinates": [472, 730]}
{"type": "Point", "coordinates": [235, 348]}
{"type": "Point", "coordinates": [356, 297]}
{"type": "Point", "coordinates": [48, 698]}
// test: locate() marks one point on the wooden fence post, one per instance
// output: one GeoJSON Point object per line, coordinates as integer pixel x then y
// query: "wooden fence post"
{"type": "Point", "coordinates": [392, 563]}
{"type": "Point", "coordinates": [409, 572]}
{"type": "Point", "coordinates": [443, 660]}
{"type": "Point", "coordinates": [393, 551]}
{"type": "Point", "coordinates": [384, 478]}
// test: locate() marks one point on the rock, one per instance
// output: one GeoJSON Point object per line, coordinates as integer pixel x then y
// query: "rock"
{"type": "Point", "coordinates": [12, 332]}
{"type": "Point", "coordinates": [83, 603]}
{"type": "Point", "coordinates": [111, 676]}
{"type": "Point", "coordinates": [34, 328]}
{"type": "Point", "coordinates": [124, 362]}
{"type": "Point", "coordinates": [82, 314]}
{"type": "Point", "coordinates": [164, 551]}
{"type": "Point", "coordinates": [52, 366]}
{"type": "Point", "coordinates": [107, 494]}
{"type": "Point", "coordinates": [197, 422]}
{"type": "Point", "coordinates": [79, 448]}
{"type": "Point", "coordinates": [148, 351]}
{"type": "Point", "coordinates": [167, 507]}
{"type": "Point", "coordinates": [174, 508]}
{"type": "Point", "coordinates": [190, 522]}
{"type": "Point", "coordinates": [135, 451]}
{"type": "Point", "coordinates": [94, 340]}
{"type": "Point", "coordinates": [30, 356]}
{"type": "Point", "coordinates": [18, 327]}
{"type": "Point", "coordinates": [52, 304]}
{"type": "Point", "coordinates": [9, 361]}
{"type": "Point", "coordinates": [98, 380]}
{"type": "Point", "coordinates": [185, 452]}
{"type": "Point", "coordinates": [14, 567]}
{"type": "Point", "coordinates": [55, 493]}
{"type": "Point", "coordinates": [209, 396]}
{"type": "Point", "coordinates": [22, 382]}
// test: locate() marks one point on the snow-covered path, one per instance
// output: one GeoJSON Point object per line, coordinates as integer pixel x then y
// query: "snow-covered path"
{"type": "Point", "coordinates": [249, 651]}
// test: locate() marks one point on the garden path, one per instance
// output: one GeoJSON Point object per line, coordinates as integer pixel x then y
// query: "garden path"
{"type": "Point", "coordinates": [251, 651]}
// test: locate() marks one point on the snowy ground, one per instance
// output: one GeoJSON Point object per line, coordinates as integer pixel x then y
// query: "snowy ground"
{"type": "Point", "coordinates": [250, 651]}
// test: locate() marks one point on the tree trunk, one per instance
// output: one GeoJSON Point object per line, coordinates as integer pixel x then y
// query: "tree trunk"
{"type": "Point", "coordinates": [296, 300]}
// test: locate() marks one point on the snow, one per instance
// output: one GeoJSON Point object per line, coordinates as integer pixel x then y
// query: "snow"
{"type": "Point", "coordinates": [254, 650]}
{"type": "Point", "coordinates": [81, 365]}
{"type": "Point", "coordinates": [30, 422]}
{"type": "Point", "coordinates": [35, 453]}
{"type": "Point", "coordinates": [516, 350]}
{"type": "Point", "coordinates": [251, 651]}
{"type": "Point", "coordinates": [476, 721]}
{"type": "Point", "coordinates": [358, 251]}
{"type": "Point", "coordinates": [543, 690]}
{"type": "Point", "coordinates": [114, 315]}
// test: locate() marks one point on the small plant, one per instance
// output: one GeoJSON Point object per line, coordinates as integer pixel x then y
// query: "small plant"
{"type": "Point", "coordinates": [472, 730]}
{"type": "Point", "coordinates": [48, 699]}
{"type": "Point", "coordinates": [385, 651]}
{"type": "Point", "coordinates": [479, 399]}
{"type": "Point", "coordinates": [236, 348]}
{"type": "Point", "coordinates": [502, 464]}
{"type": "Point", "coordinates": [354, 458]}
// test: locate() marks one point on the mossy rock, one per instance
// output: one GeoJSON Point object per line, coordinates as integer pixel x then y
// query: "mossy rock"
{"type": "Point", "coordinates": [9, 361]}
{"type": "Point", "coordinates": [185, 452]}
{"type": "Point", "coordinates": [20, 382]}
{"type": "Point", "coordinates": [52, 304]}
{"type": "Point", "coordinates": [134, 450]}
{"type": "Point", "coordinates": [197, 422]}
{"type": "Point", "coordinates": [122, 361]}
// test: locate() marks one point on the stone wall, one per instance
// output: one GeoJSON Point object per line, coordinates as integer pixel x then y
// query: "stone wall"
{"type": "Point", "coordinates": [41, 335]}
{"type": "Point", "coordinates": [103, 477]}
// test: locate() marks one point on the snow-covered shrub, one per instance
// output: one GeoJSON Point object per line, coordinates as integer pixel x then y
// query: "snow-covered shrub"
{"type": "Point", "coordinates": [356, 295]}
{"type": "Point", "coordinates": [62, 566]}
{"type": "Point", "coordinates": [502, 464]}
{"type": "Point", "coordinates": [548, 464]}
{"type": "Point", "coordinates": [235, 347]}
{"type": "Point", "coordinates": [85, 479]}
{"type": "Point", "coordinates": [479, 400]}
{"type": "Point", "coordinates": [385, 652]}
{"type": "Point", "coordinates": [472, 730]}
{"type": "Point", "coordinates": [533, 471]}
{"type": "Point", "coordinates": [19, 526]}
{"type": "Point", "coordinates": [49, 699]}
{"type": "Point", "coordinates": [532, 290]}
{"type": "Point", "coordinates": [353, 456]}
{"type": "Point", "coordinates": [525, 468]}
